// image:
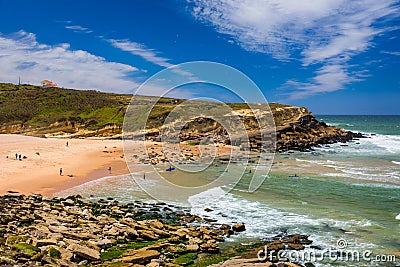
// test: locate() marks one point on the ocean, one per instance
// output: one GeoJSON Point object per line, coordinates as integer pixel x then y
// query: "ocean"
{"type": "Point", "coordinates": [342, 193]}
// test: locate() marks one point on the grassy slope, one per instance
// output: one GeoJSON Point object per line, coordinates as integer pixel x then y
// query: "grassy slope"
{"type": "Point", "coordinates": [40, 107]}
{"type": "Point", "coordinates": [35, 107]}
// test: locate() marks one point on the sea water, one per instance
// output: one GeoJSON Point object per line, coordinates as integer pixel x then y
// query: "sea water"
{"type": "Point", "coordinates": [345, 192]}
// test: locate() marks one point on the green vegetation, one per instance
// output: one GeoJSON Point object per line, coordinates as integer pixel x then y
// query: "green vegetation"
{"type": "Point", "coordinates": [209, 260]}
{"type": "Point", "coordinates": [54, 253]}
{"type": "Point", "coordinates": [117, 250]}
{"type": "Point", "coordinates": [193, 143]}
{"type": "Point", "coordinates": [186, 259]}
{"type": "Point", "coordinates": [111, 254]}
{"type": "Point", "coordinates": [116, 264]}
{"type": "Point", "coordinates": [27, 249]}
{"type": "Point", "coordinates": [149, 216]}
{"type": "Point", "coordinates": [38, 107]}
{"type": "Point", "coordinates": [229, 250]}
{"type": "Point", "coordinates": [14, 239]}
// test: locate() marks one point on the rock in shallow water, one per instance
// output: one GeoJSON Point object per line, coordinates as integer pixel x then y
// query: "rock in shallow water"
{"type": "Point", "coordinates": [239, 227]}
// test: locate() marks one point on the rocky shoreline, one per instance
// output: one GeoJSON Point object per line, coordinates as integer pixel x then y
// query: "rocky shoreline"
{"type": "Point", "coordinates": [307, 132]}
{"type": "Point", "coordinates": [72, 231]}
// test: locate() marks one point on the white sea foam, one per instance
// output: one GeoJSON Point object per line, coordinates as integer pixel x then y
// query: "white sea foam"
{"type": "Point", "coordinates": [381, 185]}
{"type": "Point", "coordinates": [389, 142]}
{"type": "Point", "coordinates": [319, 162]}
{"type": "Point", "coordinates": [373, 145]}
{"type": "Point", "coordinates": [264, 222]}
{"type": "Point", "coordinates": [205, 196]}
{"type": "Point", "coordinates": [365, 151]}
{"type": "Point", "coordinates": [380, 174]}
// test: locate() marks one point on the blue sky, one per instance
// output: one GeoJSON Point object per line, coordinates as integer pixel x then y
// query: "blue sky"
{"type": "Point", "coordinates": [332, 56]}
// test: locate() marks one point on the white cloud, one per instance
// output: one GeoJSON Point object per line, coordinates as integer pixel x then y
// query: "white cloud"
{"type": "Point", "coordinates": [392, 53]}
{"type": "Point", "coordinates": [323, 32]}
{"type": "Point", "coordinates": [149, 55]}
{"type": "Point", "coordinates": [21, 55]}
{"type": "Point", "coordinates": [142, 51]}
{"type": "Point", "coordinates": [77, 28]}
{"type": "Point", "coordinates": [329, 78]}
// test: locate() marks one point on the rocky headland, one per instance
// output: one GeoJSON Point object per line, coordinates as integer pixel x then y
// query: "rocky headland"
{"type": "Point", "coordinates": [72, 231]}
{"type": "Point", "coordinates": [295, 128]}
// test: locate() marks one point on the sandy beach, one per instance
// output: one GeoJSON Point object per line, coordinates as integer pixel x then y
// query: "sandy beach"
{"type": "Point", "coordinates": [39, 172]}
{"type": "Point", "coordinates": [82, 160]}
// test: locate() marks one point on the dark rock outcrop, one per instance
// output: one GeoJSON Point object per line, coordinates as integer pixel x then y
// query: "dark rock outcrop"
{"type": "Point", "coordinates": [307, 132]}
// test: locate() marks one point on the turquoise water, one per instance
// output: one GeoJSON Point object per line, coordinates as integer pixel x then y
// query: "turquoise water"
{"type": "Point", "coordinates": [378, 124]}
{"type": "Point", "coordinates": [349, 192]}
{"type": "Point", "coordinates": [353, 193]}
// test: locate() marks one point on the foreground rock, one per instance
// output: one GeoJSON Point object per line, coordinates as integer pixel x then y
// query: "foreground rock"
{"type": "Point", "coordinates": [76, 232]}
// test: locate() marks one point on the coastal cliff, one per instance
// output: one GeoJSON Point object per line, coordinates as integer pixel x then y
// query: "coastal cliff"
{"type": "Point", "coordinates": [34, 110]}
{"type": "Point", "coordinates": [296, 129]}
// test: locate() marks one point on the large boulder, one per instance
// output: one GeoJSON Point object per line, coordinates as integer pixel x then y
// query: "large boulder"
{"type": "Point", "coordinates": [157, 224]}
{"type": "Point", "coordinates": [209, 247]}
{"type": "Point", "coordinates": [104, 243]}
{"type": "Point", "coordinates": [275, 245]}
{"type": "Point", "coordinates": [240, 227]}
{"type": "Point", "coordinates": [147, 235]}
{"type": "Point", "coordinates": [140, 256]}
{"type": "Point", "coordinates": [84, 252]}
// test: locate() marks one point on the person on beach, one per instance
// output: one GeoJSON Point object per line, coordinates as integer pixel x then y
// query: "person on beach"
{"type": "Point", "coordinates": [16, 156]}
{"type": "Point", "coordinates": [67, 144]}
{"type": "Point", "coordinates": [144, 176]}
{"type": "Point", "coordinates": [20, 157]}
{"type": "Point", "coordinates": [60, 171]}
{"type": "Point", "coordinates": [109, 170]}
